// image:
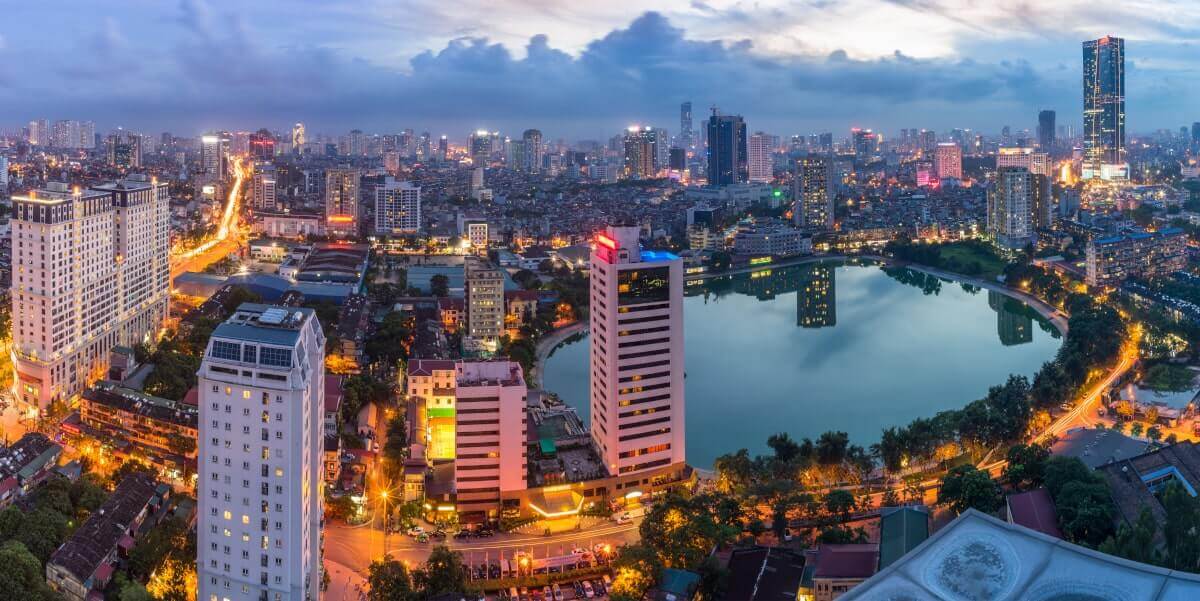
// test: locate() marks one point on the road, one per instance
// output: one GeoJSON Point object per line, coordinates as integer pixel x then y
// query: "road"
{"type": "Point", "coordinates": [355, 547]}
{"type": "Point", "coordinates": [225, 241]}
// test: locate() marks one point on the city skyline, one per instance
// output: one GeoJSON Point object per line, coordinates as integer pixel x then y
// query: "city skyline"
{"type": "Point", "coordinates": [197, 66]}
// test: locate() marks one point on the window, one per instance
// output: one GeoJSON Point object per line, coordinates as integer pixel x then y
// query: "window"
{"type": "Point", "coordinates": [226, 350]}
{"type": "Point", "coordinates": [248, 354]}
{"type": "Point", "coordinates": [277, 357]}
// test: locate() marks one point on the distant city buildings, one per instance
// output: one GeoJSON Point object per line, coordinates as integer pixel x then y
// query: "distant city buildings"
{"type": "Point", "coordinates": [1104, 109]}
{"type": "Point", "coordinates": [261, 397]}
{"type": "Point", "coordinates": [1046, 131]}
{"type": "Point", "coordinates": [948, 160]}
{"type": "Point", "coordinates": [759, 156]}
{"type": "Point", "coordinates": [92, 273]}
{"type": "Point", "coordinates": [1112, 259]}
{"type": "Point", "coordinates": [637, 395]}
{"type": "Point", "coordinates": [262, 188]}
{"type": "Point", "coordinates": [640, 153]}
{"type": "Point", "coordinates": [687, 136]}
{"type": "Point", "coordinates": [1024, 157]}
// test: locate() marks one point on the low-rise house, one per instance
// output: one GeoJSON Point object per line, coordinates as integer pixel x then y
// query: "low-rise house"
{"type": "Point", "coordinates": [24, 464]}
{"type": "Point", "coordinates": [1035, 510]}
{"type": "Point", "coordinates": [334, 395]}
{"type": "Point", "coordinates": [86, 561]}
{"type": "Point", "coordinates": [764, 573]}
{"type": "Point", "coordinates": [159, 431]}
{"type": "Point", "coordinates": [838, 568]}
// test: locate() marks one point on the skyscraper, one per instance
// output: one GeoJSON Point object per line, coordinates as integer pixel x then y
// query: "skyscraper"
{"type": "Point", "coordinates": [759, 156]}
{"type": "Point", "coordinates": [481, 145]}
{"type": "Point", "coordinates": [1104, 108]}
{"type": "Point", "coordinates": [639, 152]}
{"type": "Point", "coordinates": [298, 138]}
{"type": "Point", "coordinates": [262, 145]}
{"type": "Point", "coordinates": [263, 191]}
{"type": "Point", "coordinates": [3, 174]}
{"type": "Point", "coordinates": [1046, 131]}
{"type": "Point", "coordinates": [727, 161]}
{"type": "Point", "coordinates": [687, 136]}
{"type": "Point", "coordinates": [341, 201]}
{"type": "Point", "coordinates": [262, 394]}
{"type": "Point", "coordinates": [210, 156]}
{"type": "Point", "coordinates": [813, 188]}
{"type": "Point", "coordinates": [948, 160]}
{"type": "Point", "coordinates": [534, 151]}
{"type": "Point", "coordinates": [67, 315]}
{"type": "Point", "coordinates": [865, 143]}
{"type": "Point", "coordinates": [637, 394]}
{"type": "Point", "coordinates": [39, 132]}
{"type": "Point", "coordinates": [397, 208]}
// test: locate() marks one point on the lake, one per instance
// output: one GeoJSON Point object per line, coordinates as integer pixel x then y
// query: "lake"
{"type": "Point", "coordinates": [831, 346]}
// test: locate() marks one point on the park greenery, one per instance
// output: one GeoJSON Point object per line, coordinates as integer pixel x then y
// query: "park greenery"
{"type": "Point", "coordinates": [969, 257]}
{"type": "Point", "coordinates": [1169, 377]}
{"type": "Point", "coordinates": [391, 580]}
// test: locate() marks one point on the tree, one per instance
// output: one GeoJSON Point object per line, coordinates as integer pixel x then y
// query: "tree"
{"type": "Point", "coordinates": [839, 503]}
{"type": "Point", "coordinates": [1085, 511]}
{"type": "Point", "coordinates": [527, 280]}
{"type": "Point", "coordinates": [133, 590]}
{"type": "Point", "coordinates": [890, 449]}
{"type": "Point", "coordinates": [966, 487]}
{"type": "Point", "coordinates": [636, 567]}
{"type": "Point", "coordinates": [1154, 433]}
{"type": "Point", "coordinates": [1136, 428]}
{"type": "Point", "coordinates": [842, 535]}
{"type": "Point", "coordinates": [1026, 465]}
{"type": "Point", "coordinates": [21, 574]}
{"type": "Point", "coordinates": [1135, 542]}
{"type": "Point", "coordinates": [168, 539]}
{"type": "Point", "coordinates": [1181, 527]}
{"type": "Point", "coordinates": [682, 530]}
{"type": "Point", "coordinates": [395, 450]}
{"type": "Point", "coordinates": [389, 580]}
{"type": "Point", "coordinates": [831, 448]}
{"type": "Point", "coordinates": [439, 285]}
{"type": "Point", "coordinates": [784, 447]}
{"type": "Point", "coordinates": [444, 573]}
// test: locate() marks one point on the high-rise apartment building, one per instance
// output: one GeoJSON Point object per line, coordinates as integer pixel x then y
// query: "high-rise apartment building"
{"type": "Point", "coordinates": [639, 153]}
{"type": "Point", "coordinates": [211, 159]}
{"type": "Point", "coordinates": [39, 132]}
{"type": "Point", "coordinates": [1018, 205]}
{"type": "Point", "coordinates": [727, 161]}
{"type": "Point", "coordinates": [489, 435]}
{"type": "Point", "coordinates": [1104, 109]}
{"type": "Point", "coordinates": [813, 190]}
{"type": "Point", "coordinates": [947, 160]}
{"type": "Point", "coordinates": [3, 175]}
{"type": "Point", "coordinates": [759, 156]}
{"type": "Point", "coordinates": [485, 305]}
{"type": "Point", "coordinates": [1046, 131]}
{"type": "Point", "coordinates": [1023, 156]}
{"type": "Point", "coordinates": [637, 394]}
{"type": "Point", "coordinates": [263, 192]}
{"type": "Point", "coordinates": [534, 150]}
{"type": "Point", "coordinates": [90, 272]}
{"type": "Point", "coordinates": [397, 208]}
{"type": "Point", "coordinates": [261, 396]}
{"type": "Point", "coordinates": [298, 137]}
{"type": "Point", "coordinates": [341, 201]}
{"type": "Point", "coordinates": [866, 144]}
{"type": "Point", "coordinates": [481, 145]}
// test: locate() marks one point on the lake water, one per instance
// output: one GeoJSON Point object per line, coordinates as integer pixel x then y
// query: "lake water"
{"type": "Point", "coordinates": [831, 346]}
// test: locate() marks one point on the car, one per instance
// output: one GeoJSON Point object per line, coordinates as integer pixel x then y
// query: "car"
{"type": "Point", "coordinates": [578, 551]}
{"type": "Point", "coordinates": [601, 588]}
{"type": "Point", "coordinates": [624, 518]}
{"type": "Point", "coordinates": [524, 593]}
{"type": "Point", "coordinates": [578, 588]}
{"type": "Point", "coordinates": [462, 534]}
{"type": "Point", "coordinates": [416, 531]}
{"type": "Point", "coordinates": [484, 533]}
{"type": "Point", "coordinates": [439, 533]}
{"type": "Point", "coordinates": [1065, 406]}
{"type": "Point", "coordinates": [512, 593]}
{"type": "Point", "coordinates": [547, 593]}
{"type": "Point", "coordinates": [557, 591]}
{"type": "Point", "coordinates": [588, 591]}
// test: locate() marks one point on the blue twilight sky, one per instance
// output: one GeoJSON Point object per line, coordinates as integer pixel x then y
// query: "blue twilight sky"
{"type": "Point", "coordinates": [584, 69]}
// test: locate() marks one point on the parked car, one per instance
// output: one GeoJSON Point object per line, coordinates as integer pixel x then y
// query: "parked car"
{"type": "Point", "coordinates": [624, 518]}
{"type": "Point", "coordinates": [416, 531]}
{"type": "Point", "coordinates": [558, 594]}
{"type": "Point", "coordinates": [588, 591]}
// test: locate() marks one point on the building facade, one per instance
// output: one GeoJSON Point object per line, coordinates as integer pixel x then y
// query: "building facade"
{"type": "Point", "coordinates": [261, 398]}
{"type": "Point", "coordinates": [397, 208]}
{"type": "Point", "coordinates": [637, 396]}
{"type": "Point", "coordinates": [947, 160]}
{"type": "Point", "coordinates": [1104, 108]}
{"type": "Point", "coordinates": [1018, 205]}
{"type": "Point", "coordinates": [813, 191]}
{"type": "Point", "coordinates": [727, 160]}
{"type": "Point", "coordinates": [90, 272]}
{"type": "Point", "coordinates": [341, 202]}
{"type": "Point", "coordinates": [485, 305]}
{"type": "Point", "coordinates": [759, 151]}
{"type": "Point", "coordinates": [1111, 260]}
{"type": "Point", "coordinates": [489, 434]}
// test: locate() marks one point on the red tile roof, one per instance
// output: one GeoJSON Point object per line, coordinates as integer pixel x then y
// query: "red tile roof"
{"type": "Point", "coordinates": [1034, 510]}
{"type": "Point", "coordinates": [192, 397]}
{"type": "Point", "coordinates": [333, 393]}
{"type": "Point", "coordinates": [426, 367]}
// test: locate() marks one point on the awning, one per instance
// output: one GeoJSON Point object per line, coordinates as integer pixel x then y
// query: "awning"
{"type": "Point", "coordinates": [556, 503]}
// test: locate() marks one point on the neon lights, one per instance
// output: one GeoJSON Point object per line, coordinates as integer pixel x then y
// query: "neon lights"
{"type": "Point", "coordinates": [607, 242]}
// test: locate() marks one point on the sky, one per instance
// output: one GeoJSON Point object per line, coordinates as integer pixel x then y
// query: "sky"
{"type": "Point", "coordinates": [584, 70]}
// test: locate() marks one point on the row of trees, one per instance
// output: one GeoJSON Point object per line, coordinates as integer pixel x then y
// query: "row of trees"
{"type": "Point", "coordinates": [391, 580]}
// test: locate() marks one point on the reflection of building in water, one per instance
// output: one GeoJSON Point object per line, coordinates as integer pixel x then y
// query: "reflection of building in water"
{"type": "Point", "coordinates": [816, 301]}
{"type": "Point", "coordinates": [1013, 327]}
{"type": "Point", "coordinates": [765, 284]}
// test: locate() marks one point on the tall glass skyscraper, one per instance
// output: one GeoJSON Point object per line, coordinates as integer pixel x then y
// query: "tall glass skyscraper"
{"type": "Point", "coordinates": [686, 135]}
{"type": "Point", "coordinates": [1104, 108]}
{"type": "Point", "coordinates": [727, 157]}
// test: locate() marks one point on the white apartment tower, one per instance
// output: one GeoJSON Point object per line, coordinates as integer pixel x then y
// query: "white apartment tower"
{"type": "Point", "coordinates": [341, 201]}
{"type": "Point", "coordinates": [759, 157]}
{"type": "Point", "coordinates": [397, 208]}
{"type": "Point", "coordinates": [263, 192]}
{"type": "Point", "coordinates": [948, 160]}
{"type": "Point", "coordinates": [90, 272]}
{"type": "Point", "coordinates": [489, 434]}
{"type": "Point", "coordinates": [259, 491]}
{"type": "Point", "coordinates": [485, 305]}
{"type": "Point", "coordinates": [637, 354]}
{"type": "Point", "coordinates": [210, 156]}
{"type": "Point", "coordinates": [3, 174]}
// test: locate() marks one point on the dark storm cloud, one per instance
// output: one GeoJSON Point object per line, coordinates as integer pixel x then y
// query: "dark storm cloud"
{"type": "Point", "coordinates": [216, 69]}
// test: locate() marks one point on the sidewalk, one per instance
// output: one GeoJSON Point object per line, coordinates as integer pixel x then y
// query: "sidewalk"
{"type": "Point", "coordinates": [344, 584]}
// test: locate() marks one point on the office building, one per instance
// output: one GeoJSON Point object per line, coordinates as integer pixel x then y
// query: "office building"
{"type": "Point", "coordinates": [67, 315]}
{"type": "Point", "coordinates": [211, 159]}
{"type": "Point", "coordinates": [759, 151]}
{"type": "Point", "coordinates": [947, 160]}
{"type": "Point", "coordinates": [1046, 131]}
{"type": "Point", "coordinates": [481, 145]}
{"type": "Point", "coordinates": [485, 305]}
{"type": "Point", "coordinates": [261, 398]}
{"type": "Point", "coordinates": [397, 208]}
{"type": "Point", "coordinates": [727, 161]}
{"type": "Point", "coordinates": [262, 145]}
{"type": "Point", "coordinates": [534, 150]}
{"type": "Point", "coordinates": [1147, 254]}
{"type": "Point", "coordinates": [1104, 109]}
{"type": "Point", "coordinates": [489, 434]}
{"type": "Point", "coordinates": [687, 136]}
{"type": "Point", "coordinates": [866, 144]}
{"type": "Point", "coordinates": [640, 153]}
{"type": "Point", "coordinates": [637, 393]}
{"type": "Point", "coordinates": [341, 201]}
{"type": "Point", "coordinates": [263, 192]}
{"type": "Point", "coordinates": [771, 238]}
{"type": "Point", "coordinates": [1025, 157]}
{"type": "Point", "coordinates": [1018, 205]}
{"type": "Point", "coordinates": [298, 137]}
{"type": "Point", "coordinates": [813, 188]}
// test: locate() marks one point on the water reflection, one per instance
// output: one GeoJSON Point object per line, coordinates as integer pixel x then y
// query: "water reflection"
{"type": "Point", "coordinates": [814, 285]}
{"type": "Point", "coordinates": [1014, 324]}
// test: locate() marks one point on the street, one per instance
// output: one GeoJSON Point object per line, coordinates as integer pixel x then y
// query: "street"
{"type": "Point", "coordinates": [225, 241]}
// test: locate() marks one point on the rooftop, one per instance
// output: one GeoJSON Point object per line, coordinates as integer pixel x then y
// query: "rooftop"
{"type": "Point", "coordinates": [1096, 447]}
{"type": "Point", "coordinates": [846, 561]}
{"type": "Point", "coordinates": [1034, 509]}
{"type": "Point", "coordinates": [978, 557]}
{"type": "Point", "coordinates": [110, 394]}
{"type": "Point", "coordinates": [256, 322]}
{"type": "Point", "coordinates": [85, 551]}
{"type": "Point", "coordinates": [764, 573]}
{"type": "Point", "coordinates": [901, 529]}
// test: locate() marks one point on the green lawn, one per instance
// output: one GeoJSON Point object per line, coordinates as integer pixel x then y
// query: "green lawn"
{"type": "Point", "coordinates": [955, 256]}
